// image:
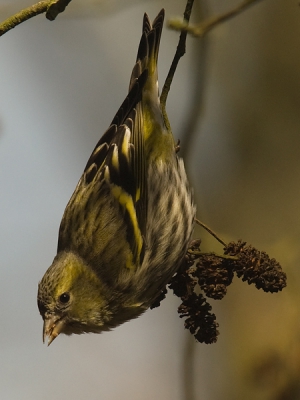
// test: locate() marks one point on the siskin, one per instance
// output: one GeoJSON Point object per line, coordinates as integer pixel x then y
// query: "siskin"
{"type": "Point", "coordinates": [127, 225]}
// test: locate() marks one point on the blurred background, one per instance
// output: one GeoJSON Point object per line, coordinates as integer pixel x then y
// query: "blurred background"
{"type": "Point", "coordinates": [235, 105]}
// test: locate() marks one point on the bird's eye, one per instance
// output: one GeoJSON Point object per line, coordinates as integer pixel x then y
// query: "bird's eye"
{"type": "Point", "coordinates": [64, 298]}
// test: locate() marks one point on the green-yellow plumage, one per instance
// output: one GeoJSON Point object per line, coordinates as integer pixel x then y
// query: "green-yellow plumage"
{"type": "Point", "coordinates": [127, 225]}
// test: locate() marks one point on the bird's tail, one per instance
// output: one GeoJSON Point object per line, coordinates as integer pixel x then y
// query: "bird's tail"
{"type": "Point", "coordinates": [148, 49]}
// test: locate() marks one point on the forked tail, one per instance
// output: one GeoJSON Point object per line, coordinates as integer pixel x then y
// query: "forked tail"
{"type": "Point", "coordinates": [148, 49]}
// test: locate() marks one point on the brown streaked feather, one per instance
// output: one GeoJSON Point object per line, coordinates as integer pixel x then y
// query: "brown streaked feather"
{"type": "Point", "coordinates": [117, 161]}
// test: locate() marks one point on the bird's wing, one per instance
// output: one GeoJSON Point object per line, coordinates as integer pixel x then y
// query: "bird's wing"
{"type": "Point", "coordinates": [109, 205]}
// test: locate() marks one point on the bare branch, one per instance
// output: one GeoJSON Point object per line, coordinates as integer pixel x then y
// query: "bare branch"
{"type": "Point", "coordinates": [211, 232]}
{"type": "Point", "coordinates": [51, 7]}
{"type": "Point", "coordinates": [179, 53]}
{"type": "Point", "coordinates": [204, 27]}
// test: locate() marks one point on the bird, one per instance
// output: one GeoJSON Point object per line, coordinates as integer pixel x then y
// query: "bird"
{"type": "Point", "coordinates": [127, 226]}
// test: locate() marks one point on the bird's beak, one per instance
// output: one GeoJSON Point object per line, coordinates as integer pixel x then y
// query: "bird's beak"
{"type": "Point", "coordinates": [52, 328]}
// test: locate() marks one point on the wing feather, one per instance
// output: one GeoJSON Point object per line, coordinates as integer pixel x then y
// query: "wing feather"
{"type": "Point", "coordinates": [113, 185]}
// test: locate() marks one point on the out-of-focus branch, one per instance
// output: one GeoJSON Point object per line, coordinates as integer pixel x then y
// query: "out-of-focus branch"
{"type": "Point", "coordinates": [51, 7]}
{"type": "Point", "coordinates": [205, 26]}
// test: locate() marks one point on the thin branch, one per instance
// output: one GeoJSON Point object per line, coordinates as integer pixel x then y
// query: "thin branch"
{"type": "Point", "coordinates": [211, 232]}
{"type": "Point", "coordinates": [23, 16]}
{"type": "Point", "coordinates": [180, 51]}
{"type": "Point", "coordinates": [204, 27]}
{"type": "Point", "coordinates": [212, 254]}
{"type": "Point", "coordinates": [51, 7]}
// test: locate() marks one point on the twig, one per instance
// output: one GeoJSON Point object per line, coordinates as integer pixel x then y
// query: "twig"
{"type": "Point", "coordinates": [211, 232]}
{"type": "Point", "coordinates": [23, 16]}
{"type": "Point", "coordinates": [180, 51]}
{"type": "Point", "coordinates": [212, 254]}
{"type": "Point", "coordinates": [204, 27]}
{"type": "Point", "coordinates": [51, 7]}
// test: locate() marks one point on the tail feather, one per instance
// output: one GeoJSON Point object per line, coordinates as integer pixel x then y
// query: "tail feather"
{"type": "Point", "coordinates": [148, 48]}
{"type": "Point", "coordinates": [154, 40]}
{"type": "Point", "coordinates": [147, 25]}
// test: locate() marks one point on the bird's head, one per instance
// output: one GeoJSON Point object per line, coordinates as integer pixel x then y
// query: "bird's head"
{"type": "Point", "coordinates": [70, 298]}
